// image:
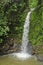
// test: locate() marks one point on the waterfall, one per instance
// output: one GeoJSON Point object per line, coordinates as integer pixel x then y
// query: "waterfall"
{"type": "Point", "coordinates": [23, 54]}
{"type": "Point", "coordinates": [25, 34]}
{"type": "Point", "coordinates": [25, 40]}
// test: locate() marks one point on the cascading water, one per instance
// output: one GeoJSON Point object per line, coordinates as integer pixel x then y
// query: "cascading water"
{"type": "Point", "coordinates": [25, 34]}
{"type": "Point", "coordinates": [23, 54]}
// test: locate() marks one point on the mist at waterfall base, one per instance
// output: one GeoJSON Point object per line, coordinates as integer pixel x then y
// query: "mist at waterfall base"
{"type": "Point", "coordinates": [24, 53]}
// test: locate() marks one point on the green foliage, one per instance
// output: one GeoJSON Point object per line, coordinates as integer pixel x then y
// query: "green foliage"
{"type": "Point", "coordinates": [3, 23]}
{"type": "Point", "coordinates": [33, 3]}
{"type": "Point", "coordinates": [36, 27]}
{"type": "Point", "coordinates": [11, 19]}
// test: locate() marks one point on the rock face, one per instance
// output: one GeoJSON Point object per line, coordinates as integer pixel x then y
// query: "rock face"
{"type": "Point", "coordinates": [38, 51]}
{"type": "Point", "coordinates": [9, 47]}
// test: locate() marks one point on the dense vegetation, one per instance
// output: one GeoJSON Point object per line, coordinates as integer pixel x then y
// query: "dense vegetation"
{"type": "Point", "coordinates": [36, 25]}
{"type": "Point", "coordinates": [12, 18]}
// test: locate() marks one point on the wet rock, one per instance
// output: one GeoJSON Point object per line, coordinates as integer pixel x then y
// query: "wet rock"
{"type": "Point", "coordinates": [40, 57]}
{"type": "Point", "coordinates": [30, 48]}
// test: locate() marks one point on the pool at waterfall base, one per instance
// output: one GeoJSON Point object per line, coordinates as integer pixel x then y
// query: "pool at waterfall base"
{"type": "Point", "coordinates": [9, 60]}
